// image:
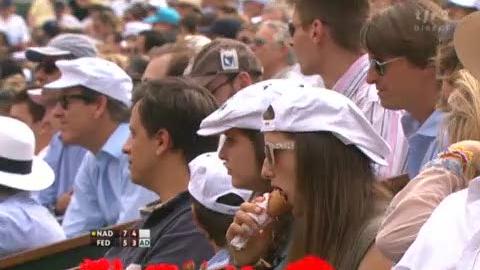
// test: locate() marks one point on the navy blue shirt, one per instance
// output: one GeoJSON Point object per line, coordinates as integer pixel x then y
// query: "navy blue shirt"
{"type": "Point", "coordinates": [173, 235]}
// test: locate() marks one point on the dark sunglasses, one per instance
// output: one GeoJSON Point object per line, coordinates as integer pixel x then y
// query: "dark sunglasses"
{"type": "Point", "coordinates": [380, 67]}
{"type": "Point", "coordinates": [47, 67]}
{"type": "Point", "coordinates": [270, 149]}
{"type": "Point", "coordinates": [65, 100]}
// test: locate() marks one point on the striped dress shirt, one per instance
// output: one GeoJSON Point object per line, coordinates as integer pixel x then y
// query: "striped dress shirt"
{"type": "Point", "coordinates": [387, 123]}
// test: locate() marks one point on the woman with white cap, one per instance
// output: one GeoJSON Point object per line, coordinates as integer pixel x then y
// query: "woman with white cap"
{"type": "Point", "coordinates": [319, 152]}
{"type": "Point", "coordinates": [24, 223]}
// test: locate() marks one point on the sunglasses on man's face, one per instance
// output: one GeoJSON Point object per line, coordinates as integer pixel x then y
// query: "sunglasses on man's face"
{"type": "Point", "coordinates": [65, 100]}
{"type": "Point", "coordinates": [380, 67]}
{"type": "Point", "coordinates": [291, 29]}
{"type": "Point", "coordinates": [270, 149]}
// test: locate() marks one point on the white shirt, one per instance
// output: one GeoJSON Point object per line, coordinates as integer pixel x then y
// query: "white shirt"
{"type": "Point", "coordinates": [449, 239]}
{"type": "Point", "coordinates": [15, 28]}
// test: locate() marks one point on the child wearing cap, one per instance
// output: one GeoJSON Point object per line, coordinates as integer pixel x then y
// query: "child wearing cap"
{"type": "Point", "coordinates": [214, 202]}
{"type": "Point", "coordinates": [319, 151]}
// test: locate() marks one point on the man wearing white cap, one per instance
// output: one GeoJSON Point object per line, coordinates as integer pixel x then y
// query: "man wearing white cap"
{"type": "Point", "coordinates": [214, 202]}
{"type": "Point", "coordinates": [165, 118]}
{"type": "Point", "coordinates": [63, 159]}
{"type": "Point", "coordinates": [24, 223]}
{"type": "Point", "coordinates": [92, 107]}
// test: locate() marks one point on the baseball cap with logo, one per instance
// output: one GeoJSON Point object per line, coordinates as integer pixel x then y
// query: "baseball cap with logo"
{"type": "Point", "coordinates": [63, 46]}
{"type": "Point", "coordinates": [98, 74]}
{"type": "Point", "coordinates": [223, 56]}
{"type": "Point", "coordinates": [212, 187]}
{"type": "Point", "coordinates": [313, 109]}
{"type": "Point", "coordinates": [235, 114]}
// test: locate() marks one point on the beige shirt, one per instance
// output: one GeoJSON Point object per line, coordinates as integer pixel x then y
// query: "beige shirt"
{"type": "Point", "coordinates": [412, 206]}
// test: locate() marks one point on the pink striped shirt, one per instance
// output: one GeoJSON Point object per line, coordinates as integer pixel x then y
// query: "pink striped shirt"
{"type": "Point", "coordinates": [353, 85]}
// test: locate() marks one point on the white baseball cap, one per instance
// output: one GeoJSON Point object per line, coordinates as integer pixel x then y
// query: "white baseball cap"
{"type": "Point", "coordinates": [324, 110]}
{"type": "Point", "coordinates": [94, 73]}
{"type": "Point", "coordinates": [134, 28]}
{"type": "Point", "coordinates": [210, 182]}
{"type": "Point", "coordinates": [19, 168]}
{"type": "Point", "coordinates": [245, 108]}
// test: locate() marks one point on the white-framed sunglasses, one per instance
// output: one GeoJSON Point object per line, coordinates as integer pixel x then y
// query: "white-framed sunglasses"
{"type": "Point", "coordinates": [271, 147]}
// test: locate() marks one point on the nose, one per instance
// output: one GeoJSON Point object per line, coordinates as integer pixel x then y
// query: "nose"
{"type": "Point", "coordinates": [222, 153]}
{"type": "Point", "coordinates": [267, 172]}
{"type": "Point", "coordinates": [372, 76]}
{"type": "Point", "coordinates": [58, 111]}
{"type": "Point", "coordinates": [127, 147]}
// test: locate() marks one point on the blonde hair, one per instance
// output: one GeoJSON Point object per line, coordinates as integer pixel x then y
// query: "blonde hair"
{"type": "Point", "coordinates": [463, 106]}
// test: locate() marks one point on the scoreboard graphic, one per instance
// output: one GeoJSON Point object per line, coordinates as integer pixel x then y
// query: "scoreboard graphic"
{"type": "Point", "coordinates": [120, 238]}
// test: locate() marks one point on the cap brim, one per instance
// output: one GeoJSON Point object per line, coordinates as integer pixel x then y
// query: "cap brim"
{"type": "Point", "coordinates": [467, 41]}
{"type": "Point", "coordinates": [38, 54]}
{"type": "Point", "coordinates": [151, 20]}
{"type": "Point", "coordinates": [211, 131]}
{"type": "Point", "coordinates": [63, 82]}
{"type": "Point", "coordinates": [40, 178]}
{"type": "Point", "coordinates": [36, 96]}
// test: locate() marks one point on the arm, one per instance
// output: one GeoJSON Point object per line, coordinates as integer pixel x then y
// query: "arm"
{"type": "Point", "coordinates": [83, 212]}
{"type": "Point", "coordinates": [412, 206]}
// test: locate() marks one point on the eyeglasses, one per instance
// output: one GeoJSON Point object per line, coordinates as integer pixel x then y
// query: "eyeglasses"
{"type": "Point", "coordinates": [380, 66]}
{"type": "Point", "coordinates": [271, 147]}
{"type": "Point", "coordinates": [48, 67]}
{"type": "Point", "coordinates": [65, 100]}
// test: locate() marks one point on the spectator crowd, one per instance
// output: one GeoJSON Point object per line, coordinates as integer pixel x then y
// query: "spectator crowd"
{"type": "Point", "coordinates": [244, 132]}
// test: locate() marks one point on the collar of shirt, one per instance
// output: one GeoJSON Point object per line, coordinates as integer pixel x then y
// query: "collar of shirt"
{"type": "Point", "coordinates": [360, 66]}
{"type": "Point", "coordinates": [181, 201]}
{"type": "Point", "coordinates": [429, 128]}
{"type": "Point", "coordinates": [115, 142]}
{"type": "Point", "coordinates": [19, 196]}
{"type": "Point", "coordinates": [158, 204]}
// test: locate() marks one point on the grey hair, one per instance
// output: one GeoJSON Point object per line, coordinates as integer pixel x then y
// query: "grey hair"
{"type": "Point", "coordinates": [281, 36]}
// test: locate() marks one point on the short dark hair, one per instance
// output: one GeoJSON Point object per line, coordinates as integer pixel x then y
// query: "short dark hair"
{"type": "Point", "coordinates": [190, 23]}
{"type": "Point", "coordinates": [154, 39]}
{"type": "Point", "coordinates": [36, 110]}
{"type": "Point", "coordinates": [344, 18]}
{"type": "Point", "coordinates": [177, 105]}
{"type": "Point", "coordinates": [398, 31]}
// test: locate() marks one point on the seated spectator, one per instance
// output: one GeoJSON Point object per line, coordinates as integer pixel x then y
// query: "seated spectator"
{"type": "Point", "coordinates": [25, 223]}
{"type": "Point", "coordinates": [393, 58]}
{"type": "Point", "coordinates": [92, 107]}
{"type": "Point", "coordinates": [26, 110]}
{"type": "Point", "coordinates": [6, 99]}
{"type": "Point", "coordinates": [224, 67]}
{"type": "Point", "coordinates": [271, 44]}
{"type": "Point", "coordinates": [324, 127]}
{"type": "Point", "coordinates": [63, 158]}
{"type": "Point", "coordinates": [214, 202]}
{"type": "Point", "coordinates": [448, 220]}
{"type": "Point", "coordinates": [165, 118]}
{"type": "Point", "coordinates": [227, 27]}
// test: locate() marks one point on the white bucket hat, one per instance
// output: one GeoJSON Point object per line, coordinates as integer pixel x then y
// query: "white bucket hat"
{"type": "Point", "coordinates": [210, 182]}
{"type": "Point", "coordinates": [245, 108]}
{"type": "Point", "coordinates": [19, 168]}
{"type": "Point", "coordinates": [312, 109]}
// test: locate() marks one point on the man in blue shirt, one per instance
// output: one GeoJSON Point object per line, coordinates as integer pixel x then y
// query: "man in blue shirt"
{"type": "Point", "coordinates": [93, 100]}
{"type": "Point", "coordinates": [24, 223]}
{"type": "Point", "coordinates": [64, 159]}
{"type": "Point", "coordinates": [164, 122]}
{"type": "Point", "coordinates": [401, 44]}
